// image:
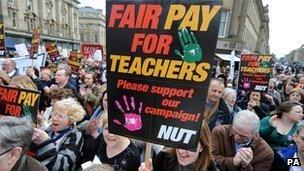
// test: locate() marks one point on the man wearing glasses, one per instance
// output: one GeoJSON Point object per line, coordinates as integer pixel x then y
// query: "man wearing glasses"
{"type": "Point", "coordinates": [239, 147]}
{"type": "Point", "coordinates": [9, 66]}
{"type": "Point", "coordinates": [15, 139]}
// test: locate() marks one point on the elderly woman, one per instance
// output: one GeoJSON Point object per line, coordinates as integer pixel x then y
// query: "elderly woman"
{"type": "Point", "coordinates": [226, 110]}
{"type": "Point", "coordinates": [59, 148]}
{"type": "Point", "coordinates": [56, 94]}
{"type": "Point", "coordinates": [15, 139]}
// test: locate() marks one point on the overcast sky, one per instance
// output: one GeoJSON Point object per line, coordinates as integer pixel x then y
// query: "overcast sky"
{"type": "Point", "coordinates": [286, 23]}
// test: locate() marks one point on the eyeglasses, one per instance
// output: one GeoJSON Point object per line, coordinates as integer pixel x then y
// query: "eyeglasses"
{"type": "Point", "coordinates": [243, 136]}
{"type": "Point", "coordinates": [60, 115]}
{"type": "Point", "coordinates": [5, 151]}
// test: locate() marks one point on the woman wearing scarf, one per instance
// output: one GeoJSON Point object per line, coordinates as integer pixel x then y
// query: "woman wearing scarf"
{"type": "Point", "coordinates": [59, 148]}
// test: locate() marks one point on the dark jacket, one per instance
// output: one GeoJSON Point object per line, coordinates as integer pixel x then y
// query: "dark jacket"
{"type": "Point", "coordinates": [223, 150]}
{"type": "Point", "coordinates": [262, 111]}
{"type": "Point", "coordinates": [27, 163]}
{"type": "Point", "coordinates": [164, 161]}
{"type": "Point", "coordinates": [223, 116]}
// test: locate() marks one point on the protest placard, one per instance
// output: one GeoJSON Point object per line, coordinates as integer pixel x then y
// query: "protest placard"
{"type": "Point", "coordinates": [159, 60]}
{"type": "Point", "coordinates": [35, 43]}
{"type": "Point", "coordinates": [88, 50]}
{"type": "Point", "coordinates": [52, 51]}
{"type": "Point", "coordinates": [2, 36]}
{"type": "Point", "coordinates": [75, 61]}
{"type": "Point", "coordinates": [255, 72]}
{"type": "Point", "coordinates": [19, 102]}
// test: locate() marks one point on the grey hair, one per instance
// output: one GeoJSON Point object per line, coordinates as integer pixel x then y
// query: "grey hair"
{"type": "Point", "coordinates": [15, 132]}
{"type": "Point", "coordinates": [247, 118]}
{"type": "Point", "coordinates": [227, 91]}
{"type": "Point", "coordinates": [65, 67]}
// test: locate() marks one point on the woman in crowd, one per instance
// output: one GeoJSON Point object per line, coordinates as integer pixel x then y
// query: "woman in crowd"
{"type": "Point", "coordinates": [45, 80]}
{"type": "Point", "coordinates": [59, 149]}
{"type": "Point", "coordinates": [296, 95]}
{"type": "Point", "coordinates": [92, 130]}
{"type": "Point", "coordinates": [287, 87]}
{"type": "Point", "coordinates": [226, 110]}
{"type": "Point", "coordinates": [90, 92]}
{"type": "Point", "coordinates": [117, 151]}
{"type": "Point", "coordinates": [273, 92]}
{"type": "Point", "coordinates": [254, 103]}
{"type": "Point", "coordinates": [22, 81]}
{"type": "Point", "coordinates": [56, 94]}
{"type": "Point", "coordinates": [4, 78]}
{"type": "Point", "coordinates": [278, 128]}
{"type": "Point", "coordinates": [178, 159]}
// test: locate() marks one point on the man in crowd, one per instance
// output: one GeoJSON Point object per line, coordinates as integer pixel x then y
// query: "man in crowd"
{"type": "Point", "coordinates": [215, 92]}
{"type": "Point", "coordinates": [239, 146]}
{"type": "Point", "coordinates": [15, 139]}
{"type": "Point", "coordinates": [9, 66]}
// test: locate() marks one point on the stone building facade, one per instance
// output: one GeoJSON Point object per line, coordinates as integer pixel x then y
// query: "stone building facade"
{"type": "Point", "coordinates": [92, 26]}
{"type": "Point", "coordinates": [58, 20]}
{"type": "Point", "coordinates": [244, 27]}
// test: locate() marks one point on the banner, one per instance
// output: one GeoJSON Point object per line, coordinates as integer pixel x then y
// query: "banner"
{"type": "Point", "coordinates": [255, 72]}
{"type": "Point", "coordinates": [88, 50]}
{"type": "Point", "coordinates": [35, 43]}
{"type": "Point", "coordinates": [159, 60]}
{"type": "Point", "coordinates": [21, 50]}
{"type": "Point", "coordinates": [52, 51]}
{"type": "Point", "coordinates": [75, 61]}
{"type": "Point", "coordinates": [22, 63]}
{"type": "Point", "coordinates": [2, 37]}
{"type": "Point", "coordinates": [19, 102]}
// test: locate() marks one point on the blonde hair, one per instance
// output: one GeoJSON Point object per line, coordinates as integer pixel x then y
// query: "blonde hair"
{"type": "Point", "coordinates": [74, 110]}
{"type": "Point", "coordinates": [23, 81]}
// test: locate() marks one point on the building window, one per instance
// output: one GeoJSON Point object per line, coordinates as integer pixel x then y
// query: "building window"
{"type": "Point", "coordinates": [81, 37]}
{"type": "Point", "coordinates": [14, 19]}
{"type": "Point", "coordinates": [223, 24]}
{"type": "Point", "coordinates": [64, 12]}
{"type": "Point", "coordinates": [49, 6]}
{"type": "Point", "coordinates": [96, 38]}
{"type": "Point", "coordinates": [12, 2]}
{"type": "Point", "coordinates": [75, 20]}
{"type": "Point", "coordinates": [29, 5]}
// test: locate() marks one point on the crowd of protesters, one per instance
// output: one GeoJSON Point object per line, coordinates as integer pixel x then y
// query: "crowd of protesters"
{"type": "Point", "coordinates": [240, 131]}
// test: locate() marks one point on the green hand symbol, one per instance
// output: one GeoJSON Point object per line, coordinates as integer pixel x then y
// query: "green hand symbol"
{"type": "Point", "coordinates": [264, 64]}
{"type": "Point", "coordinates": [192, 50]}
